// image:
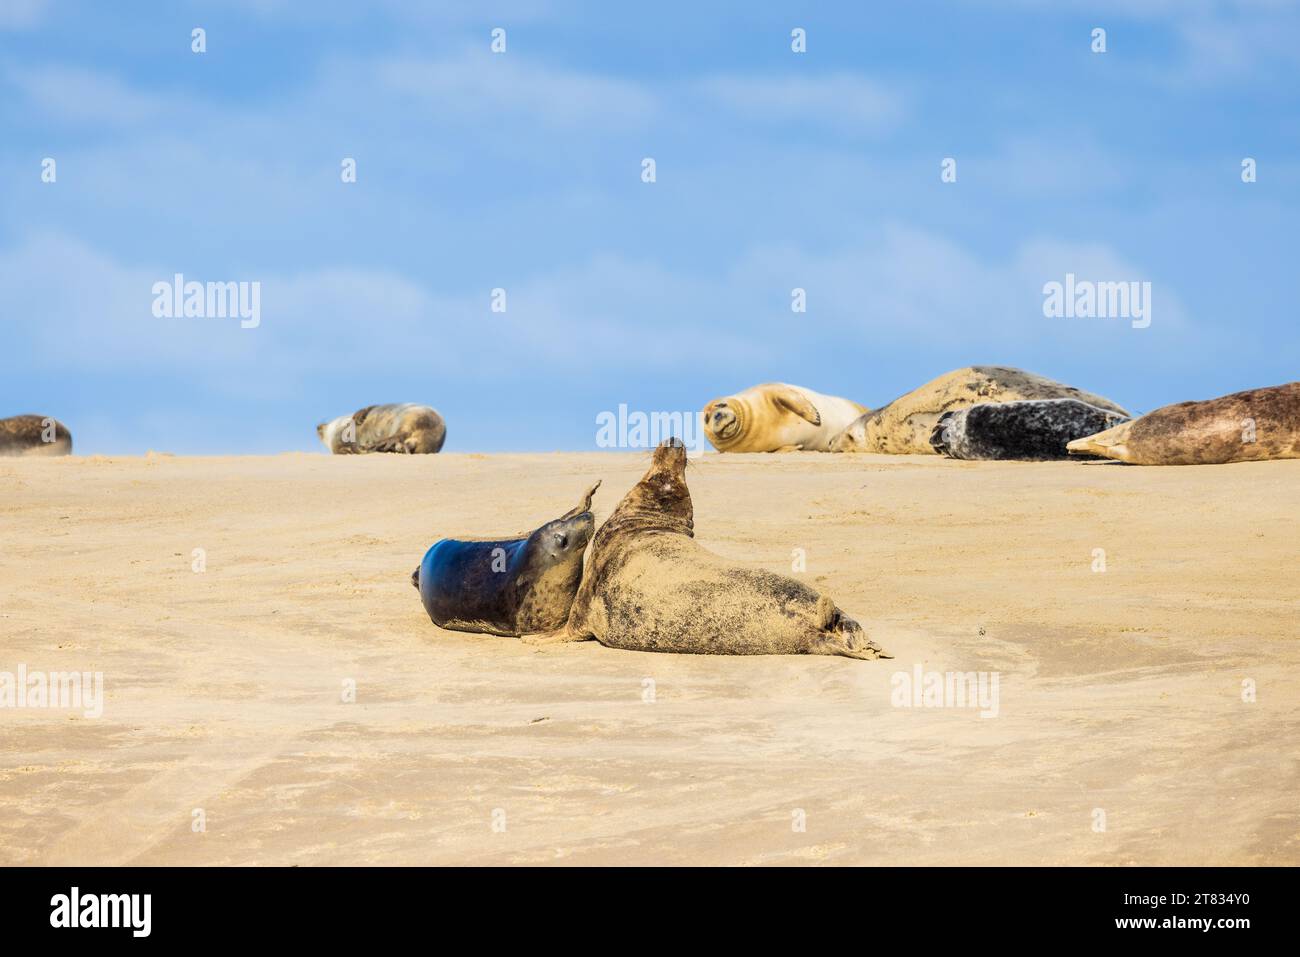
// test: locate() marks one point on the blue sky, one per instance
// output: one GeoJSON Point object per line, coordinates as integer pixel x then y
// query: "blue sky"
{"type": "Point", "coordinates": [522, 171]}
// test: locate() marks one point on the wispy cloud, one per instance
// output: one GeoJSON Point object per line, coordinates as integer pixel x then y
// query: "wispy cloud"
{"type": "Point", "coordinates": [22, 14]}
{"type": "Point", "coordinates": [846, 102]}
{"type": "Point", "coordinates": [492, 88]}
{"type": "Point", "coordinates": [84, 96]}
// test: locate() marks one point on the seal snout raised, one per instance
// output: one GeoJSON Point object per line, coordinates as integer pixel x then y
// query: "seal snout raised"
{"type": "Point", "coordinates": [650, 587]}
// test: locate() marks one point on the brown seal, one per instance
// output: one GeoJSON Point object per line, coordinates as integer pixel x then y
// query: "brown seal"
{"type": "Point", "coordinates": [34, 435]}
{"type": "Point", "coordinates": [1250, 426]}
{"type": "Point", "coordinates": [401, 427]}
{"type": "Point", "coordinates": [650, 587]}
{"type": "Point", "coordinates": [904, 426]}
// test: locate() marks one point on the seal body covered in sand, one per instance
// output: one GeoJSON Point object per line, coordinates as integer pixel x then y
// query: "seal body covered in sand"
{"type": "Point", "coordinates": [401, 427]}
{"type": "Point", "coordinates": [1032, 430]}
{"type": "Point", "coordinates": [650, 587]}
{"type": "Point", "coordinates": [904, 426]}
{"type": "Point", "coordinates": [34, 435]}
{"type": "Point", "coordinates": [508, 586]}
{"type": "Point", "coordinates": [1250, 426]}
{"type": "Point", "coordinates": [776, 417]}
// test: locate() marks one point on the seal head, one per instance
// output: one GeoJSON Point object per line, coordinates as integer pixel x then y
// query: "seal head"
{"type": "Point", "coordinates": [507, 586]}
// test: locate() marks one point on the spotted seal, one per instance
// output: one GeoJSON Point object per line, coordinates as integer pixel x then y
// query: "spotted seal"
{"type": "Point", "coordinates": [1034, 429]}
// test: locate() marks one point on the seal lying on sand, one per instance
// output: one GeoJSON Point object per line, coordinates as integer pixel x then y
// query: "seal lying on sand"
{"type": "Point", "coordinates": [1248, 426]}
{"type": "Point", "coordinates": [513, 586]}
{"type": "Point", "coordinates": [904, 426]}
{"type": "Point", "coordinates": [1035, 429]}
{"type": "Point", "coordinates": [34, 435]}
{"type": "Point", "coordinates": [650, 587]}
{"type": "Point", "coordinates": [403, 427]}
{"type": "Point", "coordinates": [776, 417]}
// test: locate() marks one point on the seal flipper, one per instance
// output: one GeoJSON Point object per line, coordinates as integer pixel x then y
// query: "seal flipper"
{"type": "Point", "coordinates": [584, 505]}
{"type": "Point", "coordinates": [1109, 444]}
{"type": "Point", "coordinates": [390, 444]}
{"type": "Point", "coordinates": [415, 578]}
{"type": "Point", "coordinates": [842, 635]}
{"type": "Point", "coordinates": [798, 403]}
{"type": "Point", "coordinates": [561, 635]}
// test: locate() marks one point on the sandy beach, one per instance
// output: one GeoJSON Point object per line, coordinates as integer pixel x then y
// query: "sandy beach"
{"type": "Point", "coordinates": [1122, 735]}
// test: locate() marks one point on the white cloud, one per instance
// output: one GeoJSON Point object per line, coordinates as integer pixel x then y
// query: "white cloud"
{"type": "Point", "coordinates": [902, 288]}
{"type": "Point", "coordinates": [22, 14]}
{"type": "Point", "coordinates": [485, 86]}
{"type": "Point", "coordinates": [847, 102]}
{"type": "Point", "coordinates": [77, 95]}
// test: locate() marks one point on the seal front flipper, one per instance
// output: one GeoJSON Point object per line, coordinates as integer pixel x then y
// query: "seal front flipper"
{"type": "Point", "coordinates": [797, 403]}
{"type": "Point", "coordinates": [562, 636]}
{"type": "Point", "coordinates": [393, 443]}
{"type": "Point", "coordinates": [584, 504]}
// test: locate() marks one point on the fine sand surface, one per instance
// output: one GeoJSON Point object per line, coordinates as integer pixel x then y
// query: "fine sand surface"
{"type": "Point", "coordinates": [1119, 690]}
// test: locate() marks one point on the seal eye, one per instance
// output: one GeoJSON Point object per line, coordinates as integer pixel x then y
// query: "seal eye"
{"type": "Point", "coordinates": [561, 540]}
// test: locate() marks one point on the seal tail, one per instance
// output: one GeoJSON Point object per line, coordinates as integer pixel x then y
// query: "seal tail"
{"type": "Point", "coordinates": [1110, 444]}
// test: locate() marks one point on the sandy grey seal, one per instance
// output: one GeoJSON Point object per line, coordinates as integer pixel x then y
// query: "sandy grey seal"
{"type": "Point", "coordinates": [402, 427]}
{"type": "Point", "coordinates": [904, 426]}
{"type": "Point", "coordinates": [1248, 426]}
{"type": "Point", "coordinates": [34, 435]}
{"type": "Point", "coordinates": [650, 587]}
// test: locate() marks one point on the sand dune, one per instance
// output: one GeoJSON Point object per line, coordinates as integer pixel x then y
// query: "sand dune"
{"type": "Point", "coordinates": [1118, 690]}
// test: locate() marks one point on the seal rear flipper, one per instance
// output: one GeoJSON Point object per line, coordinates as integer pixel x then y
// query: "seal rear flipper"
{"type": "Point", "coordinates": [1109, 444]}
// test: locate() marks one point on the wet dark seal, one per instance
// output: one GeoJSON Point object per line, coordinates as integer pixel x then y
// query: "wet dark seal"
{"type": "Point", "coordinates": [509, 586]}
{"type": "Point", "coordinates": [34, 435]}
{"type": "Point", "coordinates": [1251, 426]}
{"type": "Point", "coordinates": [650, 587]}
{"type": "Point", "coordinates": [1033, 430]}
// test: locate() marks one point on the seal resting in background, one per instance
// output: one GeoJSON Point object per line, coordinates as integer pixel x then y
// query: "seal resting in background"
{"type": "Point", "coordinates": [1032, 430]}
{"type": "Point", "coordinates": [509, 586]}
{"type": "Point", "coordinates": [402, 427]}
{"type": "Point", "coordinates": [776, 417]}
{"type": "Point", "coordinates": [904, 426]}
{"type": "Point", "coordinates": [650, 587]}
{"type": "Point", "coordinates": [34, 435]}
{"type": "Point", "coordinates": [1250, 426]}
